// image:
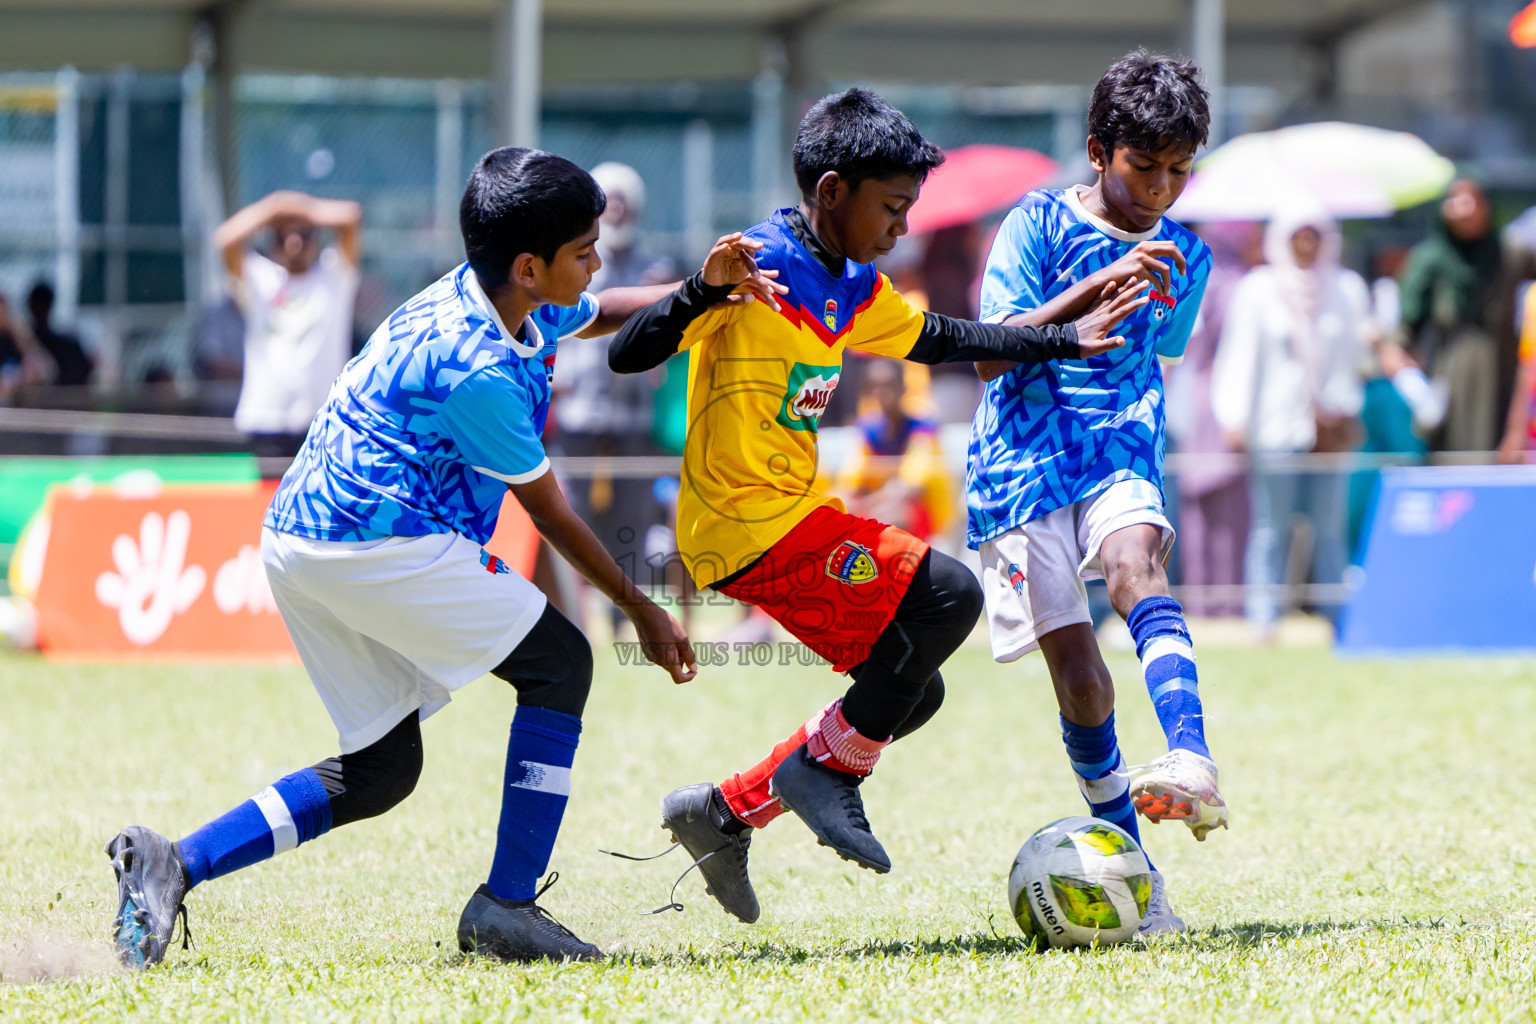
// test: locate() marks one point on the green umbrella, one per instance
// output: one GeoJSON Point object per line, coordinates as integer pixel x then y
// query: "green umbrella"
{"type": "Point", "coordinates": [1400, 164]}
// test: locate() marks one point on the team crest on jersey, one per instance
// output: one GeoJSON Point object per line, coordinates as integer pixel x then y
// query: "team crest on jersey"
{"type": "Point", "coordinates": [829, 314]}
{"type": "Point", "coordinates": [852, 563]}
{"type": "Point", "coordinates": [1161, 304]}
{"type": "Point", "coordinates": [806, 395]}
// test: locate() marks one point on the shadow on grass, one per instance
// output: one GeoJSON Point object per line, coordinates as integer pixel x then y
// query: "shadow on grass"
{"type": "Point", "coordinates": [1257, 933]}
{"type": "Point", "coordinates": [995, 944]}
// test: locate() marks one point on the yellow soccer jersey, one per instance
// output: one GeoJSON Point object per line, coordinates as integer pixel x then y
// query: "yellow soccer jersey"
{"type": "Point", "coordinates": [758, 382]}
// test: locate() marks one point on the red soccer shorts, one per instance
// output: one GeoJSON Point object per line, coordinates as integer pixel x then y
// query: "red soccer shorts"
{"type": "Point", "coordinates": [834, 582]}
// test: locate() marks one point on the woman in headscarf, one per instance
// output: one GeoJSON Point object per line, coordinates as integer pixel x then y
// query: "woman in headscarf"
{"type": "Point", "coordinates": [1456, 305]}
{"type": "Point", "coordinates": [1287, 381]}
{"type": "Point", "coordinates": [1212, 492]}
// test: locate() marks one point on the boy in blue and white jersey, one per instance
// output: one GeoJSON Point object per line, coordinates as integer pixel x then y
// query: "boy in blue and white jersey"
{"type": "Point", "coordinates": [373, 546]}
{"type": "Point", "coordinates": [1066, 458]}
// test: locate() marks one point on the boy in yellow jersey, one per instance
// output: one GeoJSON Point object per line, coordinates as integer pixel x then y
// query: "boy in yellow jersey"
{"type": "Point", "coordinates": [870, 598]}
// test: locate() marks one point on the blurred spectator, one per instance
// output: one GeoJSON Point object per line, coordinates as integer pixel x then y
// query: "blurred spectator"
{"type": "Point", "coordinates": [298, 310]}
{"type": "Point", "coordinates": [1286, 380]}
{"type": "Point", "coordinates": [1387, 265]}
{"type": "Point", "coordinates": [73, 365]}
{"type": "Point", "coordinates": [1456, 308]}
{"type": "Point", "coordinates": [220, 353]}
{"type": "Point", "coordinates": [1402, 408]}
{"type": "Point", "coordinates": [1520, 421]}
{"type": "Point", "coordinates": [22, 362]}
{"type": "Point", "coordinates": [950, 268]}
{"type": "Point", "coordinates": [10, 353]}
{"type": "Point", "coordinates": [895, 472]}
{"type": "Point", "coordinates": [602, 413]}
{"type": "Point", "coordinates": [1213, 498]}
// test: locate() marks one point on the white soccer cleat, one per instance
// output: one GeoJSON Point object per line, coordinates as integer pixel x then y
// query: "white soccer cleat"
{"type": "Point", "coordinates": [1160, 918]}
{"type": "Point", "coordinates": [1179, 786]}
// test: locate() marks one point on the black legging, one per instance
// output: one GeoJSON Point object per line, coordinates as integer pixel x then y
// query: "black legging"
{"type": "Point", "coordinates": [898, 688]}
{"type": "Point", "coordinates": [551, 668]}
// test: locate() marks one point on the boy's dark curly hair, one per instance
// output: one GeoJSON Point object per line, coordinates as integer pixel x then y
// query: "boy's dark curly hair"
{"type": "Point", "coordinates": [524, 200]}
{"type": "Point", "coordinates": [1148, 101]}
{"type": "Point", "coordinates": [859, 135]}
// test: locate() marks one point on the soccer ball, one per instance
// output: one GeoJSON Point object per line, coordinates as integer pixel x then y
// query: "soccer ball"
{"type": "Point", "coordinates": [1079, 881]}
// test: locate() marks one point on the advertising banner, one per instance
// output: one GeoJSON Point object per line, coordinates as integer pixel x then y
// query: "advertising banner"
{"type": "Point", "coordinates": [1450, 563]}
{"type": "Point", "coordinates": [178, 574]}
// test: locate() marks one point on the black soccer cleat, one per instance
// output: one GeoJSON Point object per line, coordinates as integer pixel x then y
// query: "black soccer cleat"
{"type": "Point", "coordinates": [693, 817]}
{"type": "Point", "coordinates": [152, 882]}
{"type": "Point", "coordinates": [828, 801]}
{"type": "Point", "coordinates": [517, 931]}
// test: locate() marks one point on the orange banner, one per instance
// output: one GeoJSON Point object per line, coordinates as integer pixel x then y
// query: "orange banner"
{"type": "Point", "coordinates": [179, 574]}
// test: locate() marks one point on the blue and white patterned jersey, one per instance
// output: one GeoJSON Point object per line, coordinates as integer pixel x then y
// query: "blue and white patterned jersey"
{"type": "Point", "coordinates": [425, 428]}
{"type": "Point", "coordinates": [1050, 434]}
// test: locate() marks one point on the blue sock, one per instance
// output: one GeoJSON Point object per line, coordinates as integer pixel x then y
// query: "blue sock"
{"type": "Point", "coordinates": [293, 810]}
{"type": "Point", "coordinates": [539, 758]}
{"type": "Point", "coordinates": [1095, 756]}
{"type": "Point", "coordinates": [1168, 665]}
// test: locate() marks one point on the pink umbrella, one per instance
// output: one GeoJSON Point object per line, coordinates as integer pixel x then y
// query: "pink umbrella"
{"type": "Point", "coordinates": [974, 181]}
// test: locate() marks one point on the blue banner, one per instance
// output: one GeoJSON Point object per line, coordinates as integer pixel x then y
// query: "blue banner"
{"type": "Point", "coordinates": [1450, 562]}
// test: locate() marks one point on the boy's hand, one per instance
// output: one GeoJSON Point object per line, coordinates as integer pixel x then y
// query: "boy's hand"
{"type": "Point", "coordinates": [731, 262]}
{"type": "Point", "coordinates": [663, 640]}
{"type": "Point", "coordinates": [1146, 262]}
{"type": "Point", "coordinates": [1114, 304]}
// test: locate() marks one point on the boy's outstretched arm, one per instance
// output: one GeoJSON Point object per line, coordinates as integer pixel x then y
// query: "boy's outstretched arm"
{"type": "Point", "coordinates": [662, 639]}
{"type": "Point", "coordinates": [616, 305]}
{"type": "Point", "coordinates": [655, 332]}
{"type": "Point", "coordinates": [947, 340]}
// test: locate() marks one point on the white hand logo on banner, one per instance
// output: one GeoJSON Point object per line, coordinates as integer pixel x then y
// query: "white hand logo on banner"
{"type": "Point", "coordinates": [241, 584]}
{"type": "Point", "coordinates": [152, 584]}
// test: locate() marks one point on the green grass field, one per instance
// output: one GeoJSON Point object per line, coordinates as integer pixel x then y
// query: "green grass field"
{"type": "Point", "coordinates": [1381, 865]}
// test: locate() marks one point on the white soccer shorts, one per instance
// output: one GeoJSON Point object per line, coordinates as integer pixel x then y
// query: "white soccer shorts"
{"type": "Point", "coordinates": [387, 627]}
{"type": "Point", "coordinates": [1033, 575]}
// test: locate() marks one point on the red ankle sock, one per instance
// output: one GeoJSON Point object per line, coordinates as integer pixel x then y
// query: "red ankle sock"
{"type": "Point", "coordinates": [747, 794]}
{"type": "Point", "coordinates": [838, 745]}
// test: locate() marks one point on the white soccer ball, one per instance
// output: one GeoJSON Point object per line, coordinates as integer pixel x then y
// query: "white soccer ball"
{"type": "Point", "coordinates": [1079, 882]}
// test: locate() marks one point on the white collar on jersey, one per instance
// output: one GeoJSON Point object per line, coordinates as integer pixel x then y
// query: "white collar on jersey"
{"type": "Point", "coordinates": [1074, 200]}
{"type": "Point", "coordinates": [530, 329]}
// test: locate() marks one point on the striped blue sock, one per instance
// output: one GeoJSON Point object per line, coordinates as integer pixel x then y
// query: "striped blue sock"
{"type": "Point", "coordinates": [1100, 768]}
{"type": "Point", "coordinates": [1168, 665]}
{"type": "Point", "coordinates": [539, 758]}
{"type": "Point", "coordinates": [293, 810]}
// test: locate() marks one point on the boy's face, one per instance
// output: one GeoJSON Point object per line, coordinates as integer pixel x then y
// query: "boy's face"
{"type": "Point", "coordinates": [1140, 185]}
{"type": "Point", "coordinates": [869, 217]}
{"type": "Point", "coordinates": [562, 280]}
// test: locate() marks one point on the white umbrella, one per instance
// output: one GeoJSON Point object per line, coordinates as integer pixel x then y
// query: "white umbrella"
{"type": "Point", "coordinates": [1240, 191]}
{"type": "Point", "coordinates": [1353, 170]}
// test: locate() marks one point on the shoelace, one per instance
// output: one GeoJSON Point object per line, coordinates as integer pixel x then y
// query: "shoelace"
{"type": "Point", "coordinates": [186, 927]}
{"type": "Point", "coordinates": [137, 903]}
{"type": "Point", "coordinates": [853, 804]}
{"type": "Point", "coordinates": [547, 920]}
{"type": "Point", "coordinates": [672, 903]}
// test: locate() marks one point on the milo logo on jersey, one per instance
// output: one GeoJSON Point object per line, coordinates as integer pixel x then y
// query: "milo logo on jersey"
{"type": "Point", "coordinates": [852, 563]}
{"type": "Point", "coordinates": [807, 394]}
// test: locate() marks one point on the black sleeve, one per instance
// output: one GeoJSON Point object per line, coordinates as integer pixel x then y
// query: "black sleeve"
{"type": "Point", "coordinates": [947, 340]}
{"type": "Point", "coordinates": [652, 334]}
